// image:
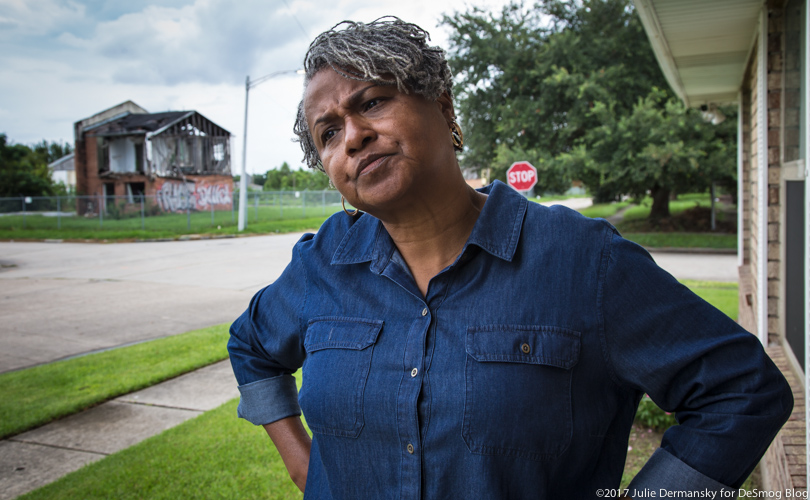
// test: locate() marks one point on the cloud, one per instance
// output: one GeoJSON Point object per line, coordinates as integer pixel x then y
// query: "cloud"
{"type": "Point", "coordinates": [64, 60]}
{"type": "Point", "coordinates": [213, 41]}
{"type": "Point", "coordinates": [25, 18]}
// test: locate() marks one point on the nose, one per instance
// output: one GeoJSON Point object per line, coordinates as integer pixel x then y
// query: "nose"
{"type": "Point", "coordinates": [358, 132]}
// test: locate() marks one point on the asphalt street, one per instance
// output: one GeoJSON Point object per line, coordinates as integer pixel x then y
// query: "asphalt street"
{"type": "Point", "coordinates": [63, 299]}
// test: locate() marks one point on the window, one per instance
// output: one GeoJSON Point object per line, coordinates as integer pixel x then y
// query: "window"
{"type": "Point", "coordinates": [139, 157]}
{"type": "Point", "coordinates": [219, 152]}
{"type": "Point", "coordinates": [103, 155]}
{"type": "Point", "coordinates": [134, 191]}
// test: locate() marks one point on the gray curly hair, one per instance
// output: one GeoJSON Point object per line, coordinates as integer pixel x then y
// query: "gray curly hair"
{"type": "Point", "coordinates": [366, 52]}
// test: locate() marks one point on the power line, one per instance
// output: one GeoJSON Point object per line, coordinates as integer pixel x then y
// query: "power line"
{"type": "Point", "coordinates": [303, 30]}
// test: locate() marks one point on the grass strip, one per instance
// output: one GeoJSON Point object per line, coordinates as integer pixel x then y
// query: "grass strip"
{"type": "Point", "coordinates": [35, 396]}
{"type": "Point", "coordinates": [683, 203]}
{"type": "Point", "coordinates": [684, 240]}
{"type": "Point", "coordinates": [556, 197]}
{"type": "Point", "coordinates": [720, 294]}
{"type": "Point", "coordinates": [214, 455]}
{"type": "Point", "coordinates": [603, 210]}
{"type": "Point", "coordinates": [120, 230]}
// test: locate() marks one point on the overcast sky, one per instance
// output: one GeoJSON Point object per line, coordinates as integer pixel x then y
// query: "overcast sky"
{"type": "Point", "coordinates": [62, 61]}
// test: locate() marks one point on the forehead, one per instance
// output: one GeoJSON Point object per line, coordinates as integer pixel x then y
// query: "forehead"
{"type": "Point", "coordinates": [325, 84]}
{"type": "Point", "coordinates": [327, 91]}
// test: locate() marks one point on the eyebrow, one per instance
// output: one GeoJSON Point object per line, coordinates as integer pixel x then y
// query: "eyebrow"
{"type": "Point", "coordinates": [351, 102]}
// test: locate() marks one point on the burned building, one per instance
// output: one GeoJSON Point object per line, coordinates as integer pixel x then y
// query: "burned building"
{"type": "Point", "coordinates": [178, 159]}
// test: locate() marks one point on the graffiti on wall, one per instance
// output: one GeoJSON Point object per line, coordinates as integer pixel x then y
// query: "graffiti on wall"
{"type": "Point", "coordinates": [177, 196]}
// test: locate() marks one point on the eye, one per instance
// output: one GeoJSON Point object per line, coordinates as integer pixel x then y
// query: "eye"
{"type": "Point", "coordinates": [327, 135]}
{"type": "Point", "coordinates": [371, 103]}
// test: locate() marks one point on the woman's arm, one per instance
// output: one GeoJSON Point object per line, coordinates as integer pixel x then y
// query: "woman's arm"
{"type": "Point", "coordinates": [293, 444]}
{"type": "Point", "coordinates": [663, 340]}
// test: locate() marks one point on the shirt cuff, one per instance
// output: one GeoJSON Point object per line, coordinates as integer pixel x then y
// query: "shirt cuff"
{"type": "Point", "coordinates": [663, 471]}
{"type": "Point", "coordinates": [268, 400]}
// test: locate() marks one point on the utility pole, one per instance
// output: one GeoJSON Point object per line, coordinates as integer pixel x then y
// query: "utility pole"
{"type": "Point", "coordinates": [243, 178]}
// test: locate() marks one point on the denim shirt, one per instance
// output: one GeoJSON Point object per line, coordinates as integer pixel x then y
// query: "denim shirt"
{"type": "Point", "coordinates": [517, 375]}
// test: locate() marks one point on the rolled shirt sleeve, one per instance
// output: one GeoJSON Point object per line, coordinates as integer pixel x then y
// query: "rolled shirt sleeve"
{"type": "Point", "coordinates": [266, 347]}
{"type": "Point", "coordinates": [691, 359]}
{"type": "Point", "coordinates": [665, 472]}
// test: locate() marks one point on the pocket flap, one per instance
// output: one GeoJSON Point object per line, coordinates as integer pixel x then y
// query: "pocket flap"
{"type": "Point", "coordinates": [341, 333]}
{"type": "Point", "coordinates": [537, 345]}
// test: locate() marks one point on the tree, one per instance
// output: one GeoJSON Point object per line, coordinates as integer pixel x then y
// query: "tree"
{"type": "Point", "coordinates": [258, 179]}
{"type": "Point", "coordinates": [528, 78]}
{"type": "Point", "coordinates": [23, 170]}
{"type": "Point", "coordinates": [575, 87]}
{"type": "Point", "coordinates": [284, 178]}
{"type": "Point", "coordinates": [660, 147]}
{"type": "Point", "coordinates": [52, 151]}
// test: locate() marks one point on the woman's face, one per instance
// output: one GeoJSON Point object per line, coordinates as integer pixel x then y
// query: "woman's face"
{"type": "Point", "coordinates": [377, 144]}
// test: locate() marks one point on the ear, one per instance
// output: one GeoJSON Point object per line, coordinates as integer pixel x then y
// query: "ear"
{"type": "Point", "coordinates": [445, 103]}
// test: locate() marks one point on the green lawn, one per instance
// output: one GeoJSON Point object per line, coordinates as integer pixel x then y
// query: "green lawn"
{"type": "Point", "coordinates": [557, 197]}
{"type": "Point", "coordinates": [684, 202]}
{"type": "Point", "coordinates": [265, 219]}
{"type": "Point", "coordinates": [214, 455]}
{"type": "Point", "coordinates": [721, 295]}
{"type": "Point", "coordinates": [684, 240]}
{"type": "Point", "coordinates": [34, 396]}
{"type": "Point", "coordinates": [634, 226]}
{"type": "Point", "coordinates": [603, 210]}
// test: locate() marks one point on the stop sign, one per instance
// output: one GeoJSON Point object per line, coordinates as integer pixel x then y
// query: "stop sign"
{"type": "Point", "coordinates": [522, 176]}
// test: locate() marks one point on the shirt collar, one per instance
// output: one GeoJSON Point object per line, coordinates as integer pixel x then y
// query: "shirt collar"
{"type": "Point", "coordinates": [497, 231]}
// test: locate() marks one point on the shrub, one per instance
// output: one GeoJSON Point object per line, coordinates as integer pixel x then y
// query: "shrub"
{"type": "Point", "coordinates": [650, 415]}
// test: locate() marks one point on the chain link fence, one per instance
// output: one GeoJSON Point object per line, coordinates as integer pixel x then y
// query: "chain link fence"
{"type": "Point", "coordinates": [181, 214]}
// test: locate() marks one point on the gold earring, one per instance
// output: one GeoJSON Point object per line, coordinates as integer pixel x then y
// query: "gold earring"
{"type": "Point", "coordinates": [457, 136]}
{"type": "Point", "coordinates": [350, 214]}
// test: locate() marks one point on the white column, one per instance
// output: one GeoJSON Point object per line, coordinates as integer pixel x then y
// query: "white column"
{"type": "Point", "coordinates": [762, 179]}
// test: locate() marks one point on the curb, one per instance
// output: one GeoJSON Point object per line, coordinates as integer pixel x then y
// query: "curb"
{"type": "Point", "coordinates": [715, 251]}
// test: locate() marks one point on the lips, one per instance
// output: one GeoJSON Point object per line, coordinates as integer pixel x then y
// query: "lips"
{"type": "Point", "coordinates": [370, 163]}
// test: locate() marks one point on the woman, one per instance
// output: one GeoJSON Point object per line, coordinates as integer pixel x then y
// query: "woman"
{"type": "Point", "coordinates": [469, 344]}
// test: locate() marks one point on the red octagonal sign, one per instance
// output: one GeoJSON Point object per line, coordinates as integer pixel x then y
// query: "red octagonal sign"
{"type": "Point", "coordinates": [522, 176]}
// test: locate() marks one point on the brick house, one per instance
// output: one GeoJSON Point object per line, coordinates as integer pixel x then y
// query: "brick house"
{"type": "Point", "coordinates": [754, 53]}
{"type": "Point", "coordinates": [178, 159]}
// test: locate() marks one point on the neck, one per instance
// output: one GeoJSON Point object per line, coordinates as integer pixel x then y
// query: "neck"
{"type": "Point", "coordinates": [432, 233]}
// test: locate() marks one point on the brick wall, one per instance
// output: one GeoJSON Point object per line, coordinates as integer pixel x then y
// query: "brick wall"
{"type": "Point", "coordinates": [784, 465]}
{"type": "Point", "coordinates": [775, 100]}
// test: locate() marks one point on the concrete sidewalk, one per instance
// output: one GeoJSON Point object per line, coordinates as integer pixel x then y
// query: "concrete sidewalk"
{"type": "Point", "coordinates": [43, 455]}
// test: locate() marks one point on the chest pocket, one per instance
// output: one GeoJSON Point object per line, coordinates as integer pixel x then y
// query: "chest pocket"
{"type": "Point", "coordinates": [518, 390]}
{"type": "Point", "coordinates": [335, 373]}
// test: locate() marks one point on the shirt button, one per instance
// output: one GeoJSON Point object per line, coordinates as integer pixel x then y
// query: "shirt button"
{"type": "Point", "coordinates": [414, 372]}
{"type": "Point", "coordinates": [525, 348]}
{"type": "Point", "coordinates": [410, 448]}
{"type": "Point", "coordinates": [424, 312]}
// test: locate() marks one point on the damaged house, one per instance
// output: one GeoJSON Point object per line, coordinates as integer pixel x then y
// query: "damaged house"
{"type": "Point", "coordinates": [179, 159]}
